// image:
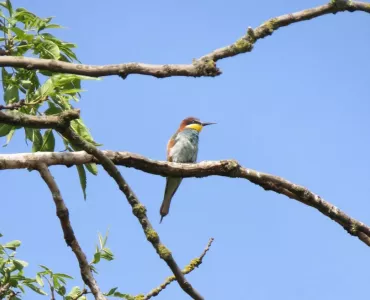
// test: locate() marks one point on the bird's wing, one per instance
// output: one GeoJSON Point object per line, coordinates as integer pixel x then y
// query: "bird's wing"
{"type": "Point", "coordinates": [170, 144]}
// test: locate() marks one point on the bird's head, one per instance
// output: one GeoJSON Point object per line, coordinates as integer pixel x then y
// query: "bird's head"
{"type": "Point", "coordinates": [193, 123]}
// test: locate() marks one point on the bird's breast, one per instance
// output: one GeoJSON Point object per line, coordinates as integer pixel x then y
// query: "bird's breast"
{"type": "Point", "coordinates": [185, 149]}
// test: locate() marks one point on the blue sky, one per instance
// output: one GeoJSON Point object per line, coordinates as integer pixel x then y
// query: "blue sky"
{"type": "Point", "coordinates": [298, 106]}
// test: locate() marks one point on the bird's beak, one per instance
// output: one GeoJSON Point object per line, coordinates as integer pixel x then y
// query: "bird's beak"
{"type": "Point", "coordinates": [208, 123]}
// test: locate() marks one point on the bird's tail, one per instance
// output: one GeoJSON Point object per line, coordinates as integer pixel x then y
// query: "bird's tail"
{"type": "Point", "coordinates": [172, 185]}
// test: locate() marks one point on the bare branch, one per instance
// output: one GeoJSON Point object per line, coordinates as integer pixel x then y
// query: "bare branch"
{"type": "Point", "coordinates": [195, 263]}
{"type": "Point", "coordinates": [69, 236]}
{"type": "Point", "coordinates": [55, 121]}
{"type": "Point", "coordinates": [138, 209]}
{"type": "Point", "coordinates": [204, 66]}
{"type": "Point", "coordinates": [13, 106]}
{"type": "Point", "coordinates": [245, 43]}
{"type": "Point", "coordinates": [227, 168]}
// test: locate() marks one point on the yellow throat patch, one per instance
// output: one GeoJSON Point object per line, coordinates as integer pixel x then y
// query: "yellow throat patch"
{"type": "Point", "coordinates": [197, 127]}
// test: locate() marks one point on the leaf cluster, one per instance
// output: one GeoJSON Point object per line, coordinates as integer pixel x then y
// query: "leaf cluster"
{"type": "Point", "coordinates": [44, 93]}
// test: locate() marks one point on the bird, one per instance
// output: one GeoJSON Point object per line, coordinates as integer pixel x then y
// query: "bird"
{"type": "Point", "coordinates": [181, 148]}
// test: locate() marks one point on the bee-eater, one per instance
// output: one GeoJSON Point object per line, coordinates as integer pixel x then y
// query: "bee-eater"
{"type": "Point", "coordinates": [181, 148]}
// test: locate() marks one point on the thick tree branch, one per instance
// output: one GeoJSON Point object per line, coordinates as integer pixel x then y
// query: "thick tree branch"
{"type": "Point", "coordinates": [55, 121]}
{"type": "Point", "coordinates": [195, 263]}
{"type": "Point", "coordinates": [227, 168]}
{"type": "Point", "coordinates": [138, 209]}
{"type": "Point", "coordinates": [204, 66]}
{"type": "Point", "coordinates": [69, 236]}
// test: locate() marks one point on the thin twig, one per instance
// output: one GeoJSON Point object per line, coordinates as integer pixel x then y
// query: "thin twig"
{"type": "Point", "coordinates": [204, 66]}
{"type": "Point", "coordinates": [52, 296]}
{"type": "Point", "coordinates": [13, 106]}
{"type": "Point", "coordinates": [138, 209]}
{"type": "Point", "coordinates": [195, 263]}
{"type": "Point", "coordinates": [69, 236]}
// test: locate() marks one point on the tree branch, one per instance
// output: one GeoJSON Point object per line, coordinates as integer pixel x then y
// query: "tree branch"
{"type": "Point", "coordinates": [13, 106]}
{"type": "Point", "coordinates": [138, 209]}
{"type": "Point", "coordinates": [227, 168]}
{"type": "Point", "coordinates": [55, 121]}
{"type": "Point", "coordinates": [204, 66]}
{"type": "Point", "coordinates": [195, 263]}
{"type": "Point", "coordinates": [69, 236]}
{"type": "Point", "coordinates": [4, 289]}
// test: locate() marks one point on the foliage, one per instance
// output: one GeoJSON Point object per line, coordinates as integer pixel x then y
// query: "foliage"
{"type": "Point", "coordinates": [13, 280]}
{"type": "Point", "coordinates": [44, 92]}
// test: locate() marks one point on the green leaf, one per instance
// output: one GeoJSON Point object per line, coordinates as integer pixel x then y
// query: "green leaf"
{"type": "Point", "coordinates": [34, 135]}
{"type": "Point", "coordinates": [56, 282]}
{"type": "Point", "coordinates": [62, 280]}
{"type": "Point", "coordinates": [76, 291]}
{"type": "Point", "coordinates": [39, 280]}
{"type": "Point", "coordinates": [9, 6]}
{"type": "Point", "coordinates": [71, 91]}
{"type": "Point", "coordinates": [102, 241]}
{"type": "Point", "coordinates": [5, 77]}
{"type": "Point", "coordinates": [107, 254]}
{"type": "Point", "coordinates": [96, 258]}
{"type": "Point", "coordinates": [35, 288]}
{"type": "Point", "coordinates": [5, 129]}
{"type": "Point", "coordinates": [6, 275]}
{"type": "Point", "coordinates": [6, 4]}
{"type": "Point", "coordinates": [47, 49]}
{"type": "Point", "coordinates": [123, 296]}
{"type": "Point", "coordinates": [25, 46]}
{"type": "Point", "coordinates": [30, 20]}
{"type": "Point", "coordinates": [9, 136]}
{"type": "Point", "coordinates": [53, 109]}
{"type": "Point", "coordinates": [26, 83]}
{"type": "Point", "coordinates": [24, 16]}
{"type": "Point", "coordinates": [28, 80]}
{"type": "Point", "coordinates": [11, 94]}
{"type": "Point", "coordinates": [46, 89]}
{"type": "Point", "coordinates": [61, 291]}
{"type": "Point", "coordinates": [48, 141]}
{"type": "Point", "coordinates": [12, 245]}
{"type": "Point", "coordinates": [92, 168]}
{"type": "Point", "coordinates": [111, 291]}
{"type": "Point", "coordinates": [19, 32]}
{"type": "Point", "coordinates": [19, 264]}
{"type": "Point", "coordinates": [46, 269]}
{"type": "Point", "coordinates": [80, 128]}
{"type": "Point", "coordinates": [53, 26]}
{"type": "Point", "coordinates": [82, 176]}
{"type": "Point", "coordinates": [63, 275]}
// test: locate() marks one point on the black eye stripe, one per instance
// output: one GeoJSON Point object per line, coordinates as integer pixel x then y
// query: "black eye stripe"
{"type": "Point", "coordinates": [193, 121]}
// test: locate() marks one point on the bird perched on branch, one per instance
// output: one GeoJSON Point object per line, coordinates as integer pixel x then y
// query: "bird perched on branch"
{"type": "Point", "coordinates": [181, 148]}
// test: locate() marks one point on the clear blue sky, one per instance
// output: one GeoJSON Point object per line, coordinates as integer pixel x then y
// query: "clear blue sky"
{"type": "Point", "coordinates": [298, 106]}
